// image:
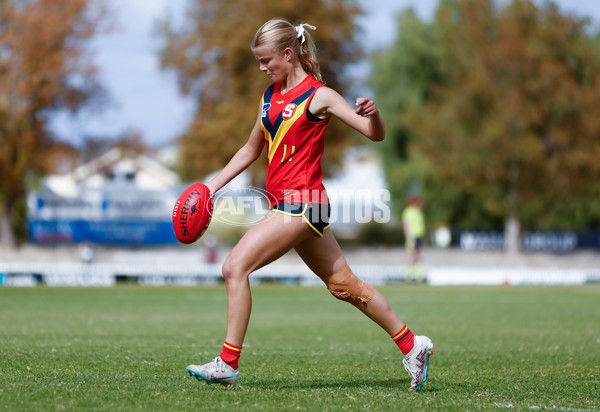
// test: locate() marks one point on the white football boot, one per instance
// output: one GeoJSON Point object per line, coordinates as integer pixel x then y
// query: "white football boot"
{"type": "Point", "coordinates": [416, 362]}
{"type": "Point", "coordinates": [216, 371]}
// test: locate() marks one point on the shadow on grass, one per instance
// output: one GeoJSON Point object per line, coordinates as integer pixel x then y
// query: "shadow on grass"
{"type": "Point", "coordinates": [317, 383]}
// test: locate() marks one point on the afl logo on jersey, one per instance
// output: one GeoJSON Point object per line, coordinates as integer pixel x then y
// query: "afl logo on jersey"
{"type": "Point", "coordinates": [288, 112]}
{"type": "Point", "coordinates": [265, 109]}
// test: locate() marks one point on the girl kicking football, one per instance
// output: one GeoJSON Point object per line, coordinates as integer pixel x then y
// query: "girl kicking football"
{"type": "Point", "coordinates": [291, 122]}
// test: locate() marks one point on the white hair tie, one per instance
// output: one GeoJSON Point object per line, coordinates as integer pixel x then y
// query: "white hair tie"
{"type": "Point", "coordinates": [300, 30]}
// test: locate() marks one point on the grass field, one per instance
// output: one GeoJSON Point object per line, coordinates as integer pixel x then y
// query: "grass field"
{"type": "Point", "coordinates": [126, 348]}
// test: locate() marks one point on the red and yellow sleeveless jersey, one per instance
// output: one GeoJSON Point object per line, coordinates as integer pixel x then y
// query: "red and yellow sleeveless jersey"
{"type": "Point", "coordinates": [295, 143]}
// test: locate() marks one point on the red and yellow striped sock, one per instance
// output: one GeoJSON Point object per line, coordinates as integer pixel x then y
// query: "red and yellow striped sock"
{"type": "Point", "coordinates": [405, 340]}
{"type": "Point", "coordinates": [231, 354]}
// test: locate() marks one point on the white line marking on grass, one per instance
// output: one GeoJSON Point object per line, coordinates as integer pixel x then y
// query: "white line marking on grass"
{"type": "Point", "coordinates": [538, 407]}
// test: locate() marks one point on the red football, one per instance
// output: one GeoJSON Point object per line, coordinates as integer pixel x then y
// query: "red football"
{"type": "Point", "coordinates": [192, 213]}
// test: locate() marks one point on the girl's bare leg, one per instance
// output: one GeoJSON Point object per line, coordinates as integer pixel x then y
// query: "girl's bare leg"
{"type": "Point", "coordinates": [324, 257]}
{"type": "Point", "coordinates": [265, 242]}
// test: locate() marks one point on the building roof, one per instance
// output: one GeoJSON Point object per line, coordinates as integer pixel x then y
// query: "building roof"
{"type": "Point", "coordinates": [116, 169]}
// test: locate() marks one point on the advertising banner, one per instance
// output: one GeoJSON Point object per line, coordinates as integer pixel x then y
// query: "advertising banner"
{"type": "Point", "coordinates": [132, 217]}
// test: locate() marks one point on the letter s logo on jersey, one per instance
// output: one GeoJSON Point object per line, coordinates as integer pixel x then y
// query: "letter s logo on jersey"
{"type": "Point", "coordinates": [288, 112]}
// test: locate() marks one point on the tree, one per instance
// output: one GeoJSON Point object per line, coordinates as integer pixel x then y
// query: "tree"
{"type": "Point", "coordinates": [214, 64]}
{"type": "Point", "coordinates": [515, 123]}
{"type": "Point", "coordinates": [43, 68]}
{"type": "Point", "coordinates": [401, 79]}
